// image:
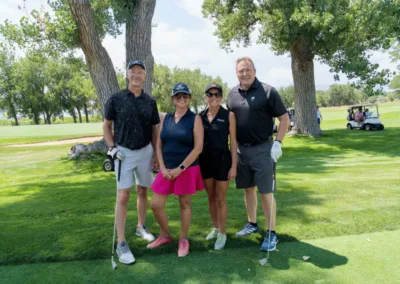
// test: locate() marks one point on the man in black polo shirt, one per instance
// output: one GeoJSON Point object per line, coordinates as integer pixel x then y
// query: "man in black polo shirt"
{"type": "Point", "coordinates": [135, 116]}
{"type": "Point", "coordinates": [255, 105]}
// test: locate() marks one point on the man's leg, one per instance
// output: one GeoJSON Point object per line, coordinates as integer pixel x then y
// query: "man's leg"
{"type": "Point", "coordinates": [245, 179]}
{"type": "Point", "coordinates": [144, 178]}
{"type": "Point", "coordinates": [121, 211]}
{"type": "Point", "coordinates": [250, 199]}
{"type": "Point", "coordinates": [142, 201]}
{"type": "Point", "coordinates": [268, 201]}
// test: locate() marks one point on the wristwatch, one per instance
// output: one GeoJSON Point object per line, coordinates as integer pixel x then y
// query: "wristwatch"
{"type": "Point", "coordinates": [182, 167]}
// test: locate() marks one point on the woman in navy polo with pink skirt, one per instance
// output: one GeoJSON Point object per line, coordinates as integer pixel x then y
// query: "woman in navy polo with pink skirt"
{"type": "Point", "coordinates": [179, 143]}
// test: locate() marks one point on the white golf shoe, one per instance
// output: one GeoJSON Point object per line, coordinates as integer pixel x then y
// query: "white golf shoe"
{"type": "Point", "coordinates": [124, 253]}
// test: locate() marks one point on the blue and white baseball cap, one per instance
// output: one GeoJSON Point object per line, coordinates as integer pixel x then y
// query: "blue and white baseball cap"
{"type": "Point", "coordinates": [180, 88]}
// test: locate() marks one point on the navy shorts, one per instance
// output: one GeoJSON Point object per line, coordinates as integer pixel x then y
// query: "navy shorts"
{"type": "Point", "coordinates": [215, 164]}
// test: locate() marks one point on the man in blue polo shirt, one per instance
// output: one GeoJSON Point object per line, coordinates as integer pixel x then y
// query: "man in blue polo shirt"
{"type": "Point", "coordinates": [255, 105]}
{"type": "Point", "coordinates": [135, 117]}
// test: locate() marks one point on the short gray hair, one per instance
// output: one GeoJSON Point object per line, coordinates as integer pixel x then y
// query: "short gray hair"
{"type": "Point", "coordinates": [245, 58]}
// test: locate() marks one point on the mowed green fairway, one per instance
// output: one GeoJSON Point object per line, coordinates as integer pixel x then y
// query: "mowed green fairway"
{"type": "Point", "coordinates": [338, 203]}
{"type": "Point", "coordinates": [41, 133]}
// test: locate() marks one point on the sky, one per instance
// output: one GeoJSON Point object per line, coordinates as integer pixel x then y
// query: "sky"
{"type": "Point", "coordinates": [183, 38]}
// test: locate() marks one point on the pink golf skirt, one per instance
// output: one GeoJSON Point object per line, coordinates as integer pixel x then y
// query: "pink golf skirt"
{"type": "Point", "coordinates": [188, 182]}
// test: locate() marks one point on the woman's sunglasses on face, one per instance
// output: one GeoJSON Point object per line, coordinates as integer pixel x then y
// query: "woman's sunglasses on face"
{"type": "Point", "coordinates": [217, 95]}
{"type": "Point", "coordinates": [181, 96]}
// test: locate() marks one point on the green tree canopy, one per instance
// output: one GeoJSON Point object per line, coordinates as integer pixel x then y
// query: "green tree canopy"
{"type": "Point", "coordinates": [165, 78]}
{"type": "Point", "coordinates": [338, 33]}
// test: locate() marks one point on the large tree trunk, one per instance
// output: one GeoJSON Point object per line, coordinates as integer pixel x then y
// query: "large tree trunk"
{"type": "Point", "coordinates": [86, 112]}
{"type": "Point", "coordinates": [99, 63]}
{"type": "Point", "coordinates": [138, 38]}
{"type": "Point", "coordinates": [304, 89]}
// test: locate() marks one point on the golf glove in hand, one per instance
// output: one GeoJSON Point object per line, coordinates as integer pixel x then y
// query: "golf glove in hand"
{"type": "Point", "coordinates": [276, 151]}
{"type": "Point", "coordinates": [115, 154]}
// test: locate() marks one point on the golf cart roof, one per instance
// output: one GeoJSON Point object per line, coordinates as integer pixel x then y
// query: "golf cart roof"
{"type": "Point", "coordinates": [364, 105]}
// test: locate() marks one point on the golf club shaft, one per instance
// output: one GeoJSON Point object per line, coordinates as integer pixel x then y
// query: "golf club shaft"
{"type": "Point", "coordinates": [119, 170]}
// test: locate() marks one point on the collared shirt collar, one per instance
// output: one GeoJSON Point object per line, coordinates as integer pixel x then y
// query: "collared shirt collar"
{"type": "Point", "coordinates": [128, 92]}
{"type": "Point", "coordinates": [253, 86]}
{"type": "Point", "coordinates": [204, 114]}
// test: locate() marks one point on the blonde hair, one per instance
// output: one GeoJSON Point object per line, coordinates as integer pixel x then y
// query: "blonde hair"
{"type": "Point", "coordinates": [245, 58]}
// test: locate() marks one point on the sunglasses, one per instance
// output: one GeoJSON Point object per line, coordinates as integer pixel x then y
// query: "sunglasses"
{"type": "Point", "coordinates": [217, 95]}
{"type": "Point", "coordinates": [181, 96]}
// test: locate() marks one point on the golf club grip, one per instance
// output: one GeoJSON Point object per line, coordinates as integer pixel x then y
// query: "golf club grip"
{"type": "Point", "coordinates": [119, 169]}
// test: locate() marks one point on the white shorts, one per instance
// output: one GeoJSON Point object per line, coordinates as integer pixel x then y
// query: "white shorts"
{"type": "Point", "coordinates": [136, 163]}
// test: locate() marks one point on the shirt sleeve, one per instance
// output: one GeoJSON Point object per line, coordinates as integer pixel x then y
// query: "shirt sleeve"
{"type": "Point", "coordinates": [109, 110]}
{"type": "Point", "coordinates": [156, 116]}
{"type": "Point", "coordinates": [276, 104]}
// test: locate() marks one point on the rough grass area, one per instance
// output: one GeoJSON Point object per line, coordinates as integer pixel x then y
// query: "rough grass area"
{"type": "Point", "coordinates": [341, 184]}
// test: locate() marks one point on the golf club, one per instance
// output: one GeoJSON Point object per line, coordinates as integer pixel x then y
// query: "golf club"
{"type": "Point", "coordinates": [272, 199]}
{"type": "Point", "coordinates": [113, 263]}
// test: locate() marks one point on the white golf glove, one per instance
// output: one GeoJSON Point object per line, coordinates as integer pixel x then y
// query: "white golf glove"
{"type": "Point", "coordinates": [115, 153]}
{"type": "Point", "coordinates": [276, 151]}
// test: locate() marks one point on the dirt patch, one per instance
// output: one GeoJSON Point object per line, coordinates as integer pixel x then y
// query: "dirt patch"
{"type": "Point", "coordinates": [60, 142]}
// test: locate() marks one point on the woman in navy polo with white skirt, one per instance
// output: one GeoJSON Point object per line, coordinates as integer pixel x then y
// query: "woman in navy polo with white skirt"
{"type": "Point", "coordinates": [179, 143]}
{"type": "Point", "coordinates": [218, 161]}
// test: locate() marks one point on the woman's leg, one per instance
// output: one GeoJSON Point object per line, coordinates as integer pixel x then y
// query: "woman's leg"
{"type": "Point", "coordinates": [158, 207]}
{"type": "Point", "coordinates": [222, 210]}
{"type": "Point", "coordinates": [212, 200]}
{"type": "Point", "coordinates": [186, 214]}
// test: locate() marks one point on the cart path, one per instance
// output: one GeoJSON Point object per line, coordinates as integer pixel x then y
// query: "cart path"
{"type": "Point", "coordinates": [60, 142]}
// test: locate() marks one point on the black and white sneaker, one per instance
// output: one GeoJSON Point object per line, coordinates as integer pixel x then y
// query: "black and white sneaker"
{"type": "Point", "coordinates": [247, 230]}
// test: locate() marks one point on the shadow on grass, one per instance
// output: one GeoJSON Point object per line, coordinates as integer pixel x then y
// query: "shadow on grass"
{"type": "Point", "coordinates": [73, 219]}
{"type": "Point", "coordinates": [228, 266]}
{"type": "Point", "coordinates": [296, 249]}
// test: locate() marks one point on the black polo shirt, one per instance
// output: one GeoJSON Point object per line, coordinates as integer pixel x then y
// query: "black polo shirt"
{"type": "Point", "coordinates": [216, 132]}
{"type": "Point", "coordinates": [133, 118]}
{"type": "Point", "coordinates": [255, 109]}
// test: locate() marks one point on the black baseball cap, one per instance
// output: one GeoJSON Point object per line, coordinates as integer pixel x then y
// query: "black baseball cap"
{"type": "Point", "coordinates": [136, 62]}
{"type": "Point", "coordinates": [180, 88]}
{"type": "Point", "coordinates": [213, 86]}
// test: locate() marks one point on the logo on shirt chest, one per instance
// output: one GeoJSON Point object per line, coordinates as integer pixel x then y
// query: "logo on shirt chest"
{"type": "Point", "coordinates": [220, 120]}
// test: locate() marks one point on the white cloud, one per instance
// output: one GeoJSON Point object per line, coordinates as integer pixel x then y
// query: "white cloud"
{"type": "Point", "coordinates": [192, 7]}
{"type": "Point", "coordinates": [194, 46]}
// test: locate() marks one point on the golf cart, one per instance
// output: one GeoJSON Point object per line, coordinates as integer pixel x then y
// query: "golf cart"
{"type": "Point", "coordinates": [291, 117]}
{"type": "Point", "coordinates": [108, 164]}
{"type": "Point", "coordinates": [365, 117]}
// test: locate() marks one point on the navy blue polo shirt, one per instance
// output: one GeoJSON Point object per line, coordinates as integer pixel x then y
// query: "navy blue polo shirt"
{"type": "Point", "coordinates": [133, 118]}
{"type": "Point", "coordinates": [255, 110]}
{"type": "Point", "coordinates": [177, 139]}
{"type": "Point", "coordinates": [216, 132]}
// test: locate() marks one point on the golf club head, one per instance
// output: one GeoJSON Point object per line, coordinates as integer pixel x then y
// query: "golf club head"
{"type": "Point", "coordinates": [113, 263]}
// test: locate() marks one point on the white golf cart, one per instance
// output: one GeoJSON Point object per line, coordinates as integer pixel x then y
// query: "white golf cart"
{"type": "Point", "coordinates": [291, 117]}
{"type": "Point", "coordinates": [365, 117]}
